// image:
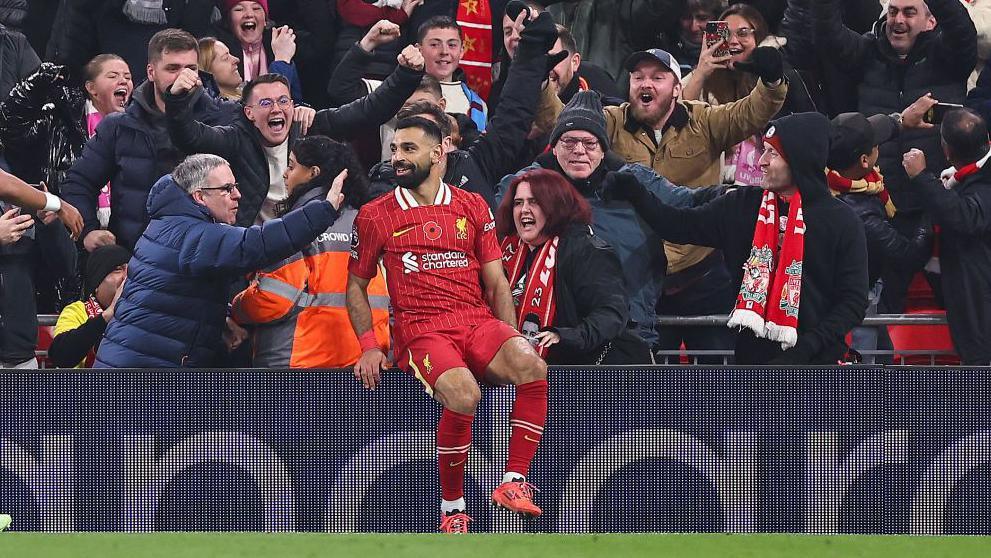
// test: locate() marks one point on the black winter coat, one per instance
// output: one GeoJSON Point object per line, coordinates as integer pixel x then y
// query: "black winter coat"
{"type": "Point", "coordinates": [832, 91]}
{"type": "Point", "coordinates": [592, 308]}
{"type": "Point", "coordinates": [17, 60]}
{"type": "Point", "coordinates": [132, 150]}
{"type": "Point", "coordinates": [834, 277]}
{"type": "Point", "coordinates": [242, 145]}
{"type": "Point", "coordinates": [379, 63]}
{"type": "Point", "coordinates": [479, 167]}
{"type": "Point", "coordinates": [47, 249]}
{"type": "Point", "coordinates": [979, 98]}
{"type": "Point", "coordinates": [314, 22]}
{"type": "Point", "coordinates": [13, 12]}
{"type": "Point", "coordinates": [85, 28]}
{"type": "Point", "coordinates": [886, 247]}
{"type": "Point", "coordinates": [964, 215]}
{"type": "Point", "coordinates": [940, 62]}
{"type": "Point", "coordinates": [43, 127]}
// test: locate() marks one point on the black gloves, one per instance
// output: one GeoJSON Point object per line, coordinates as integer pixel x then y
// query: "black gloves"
{"type": "Point", "coordinates": [514, 7]}
{"type": "Point", "coordinates": [538, 37]}
{"type": "Point", "coordinates": [620, 186]}
{"type": "Point", "coordinates": [554, 59]}
{"type": "Point", "coordinates": [47, 76]}
{"type": "Point", "coordinates": [765, 63]}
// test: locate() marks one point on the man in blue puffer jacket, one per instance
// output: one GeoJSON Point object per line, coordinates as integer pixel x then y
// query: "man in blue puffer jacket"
{"type": "Point", "coordinates": [172, 310]}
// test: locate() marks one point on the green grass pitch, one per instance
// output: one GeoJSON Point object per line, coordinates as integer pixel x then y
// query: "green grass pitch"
{"type": "Point", "coordinates": [238, 545]}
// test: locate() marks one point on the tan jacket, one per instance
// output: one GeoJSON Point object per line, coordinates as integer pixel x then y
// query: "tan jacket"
{"type": "Point", "coordinates": [690, 147]}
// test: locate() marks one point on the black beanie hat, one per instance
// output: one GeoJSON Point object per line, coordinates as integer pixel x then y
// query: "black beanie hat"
{"type": "Point", "coordinates": [102, 262]}
{"type": "Point", "coordinates": [583, 112]}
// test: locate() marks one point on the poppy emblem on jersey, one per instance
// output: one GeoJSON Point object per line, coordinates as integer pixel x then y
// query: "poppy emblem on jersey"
{"type": "Point", "coordinates": [462, 225]}
{"type": "Point", "coordinates": [432, 230]}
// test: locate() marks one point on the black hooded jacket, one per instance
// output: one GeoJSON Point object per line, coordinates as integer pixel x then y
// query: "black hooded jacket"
{"type": "Point", "coordinates": [834, 278]}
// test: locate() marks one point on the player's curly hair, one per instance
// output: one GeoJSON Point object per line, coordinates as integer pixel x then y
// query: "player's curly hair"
{"type": "Point", "coordinates": [561, 204]}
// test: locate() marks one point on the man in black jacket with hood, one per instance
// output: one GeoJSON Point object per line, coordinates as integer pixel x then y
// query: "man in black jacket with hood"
{"type": "Point", "coordinates": [833, 269]}
{"type": "Point", "coordinates": [961, 205]}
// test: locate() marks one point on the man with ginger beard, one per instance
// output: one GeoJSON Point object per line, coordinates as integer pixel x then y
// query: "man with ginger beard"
{"type": "Point", "coordinates": [258, 143]}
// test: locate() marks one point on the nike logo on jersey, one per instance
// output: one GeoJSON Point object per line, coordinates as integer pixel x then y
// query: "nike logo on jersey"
{"type": "Point", "coordinates": [401, 232]}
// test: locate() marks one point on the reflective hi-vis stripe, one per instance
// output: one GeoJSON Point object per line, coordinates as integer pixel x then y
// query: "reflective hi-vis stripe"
{"type": "Point", "coordinates": [304, 299]}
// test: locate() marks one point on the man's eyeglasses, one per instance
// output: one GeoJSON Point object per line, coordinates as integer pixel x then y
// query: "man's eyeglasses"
{"type": "Point", "coordinates": [282, 101]}
{"type": "Point", "coordinates": [572, 143]}
{"type": "Point", "coordinates": [226, 189]}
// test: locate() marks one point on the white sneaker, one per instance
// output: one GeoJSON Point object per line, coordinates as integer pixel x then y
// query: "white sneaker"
{"type": "Point", "coordinates": [5, 521]}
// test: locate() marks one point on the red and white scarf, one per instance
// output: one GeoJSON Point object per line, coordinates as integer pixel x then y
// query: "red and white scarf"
{"type": "Point", "coordinates": [772, 277]}
{"type": "Point", "coordinates": [952, 177]}
{"type": "Point", "coordinates": [538, 305]}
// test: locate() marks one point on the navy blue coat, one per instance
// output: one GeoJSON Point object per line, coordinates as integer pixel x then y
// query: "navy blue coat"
{"type": "Point", "coordinates": [131, 150]}
{"type": "Point", "coordinates": [173, 307]}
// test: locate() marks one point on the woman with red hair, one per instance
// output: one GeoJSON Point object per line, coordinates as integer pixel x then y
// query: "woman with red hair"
{"type": "Point", "coordinates": [566, 282]}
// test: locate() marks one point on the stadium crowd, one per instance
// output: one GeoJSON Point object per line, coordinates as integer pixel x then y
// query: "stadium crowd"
{"type": "Point", "coordinates": [795, 167]}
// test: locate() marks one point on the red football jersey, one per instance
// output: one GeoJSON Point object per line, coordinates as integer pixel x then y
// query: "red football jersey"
{"type": "Point", "coordinates": [432, 256]}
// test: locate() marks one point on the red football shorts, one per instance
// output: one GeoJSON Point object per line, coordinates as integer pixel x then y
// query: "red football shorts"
{"type": "Point", "coordinates": [474, 346]}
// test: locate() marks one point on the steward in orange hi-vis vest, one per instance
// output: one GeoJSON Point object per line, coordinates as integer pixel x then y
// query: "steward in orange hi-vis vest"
{"type": "Point", "coordinates": [297, 305]}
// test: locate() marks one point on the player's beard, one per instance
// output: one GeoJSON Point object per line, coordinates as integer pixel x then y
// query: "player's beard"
{"type": "Point", "coordinates": [413, 178]}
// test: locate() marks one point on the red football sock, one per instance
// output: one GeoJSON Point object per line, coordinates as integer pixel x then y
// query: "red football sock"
{"type": "Point", "coordinates": [527, 423]}
{"type": "Point", "coordinates": [453, 442]}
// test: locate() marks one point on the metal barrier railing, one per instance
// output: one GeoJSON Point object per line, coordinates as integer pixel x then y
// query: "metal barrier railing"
{"type": "Point", "coordinates": [879, 319]}
{"type": "Point", "coordinates": [725, 356]}
{"type": "Point", "coordinates": [709, 356]}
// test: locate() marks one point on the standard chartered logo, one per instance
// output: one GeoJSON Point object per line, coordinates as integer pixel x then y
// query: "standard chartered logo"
{"type": "Point", "coordinates": [440, 260]}
{"type": "Point", "coordinates": [410, 265]}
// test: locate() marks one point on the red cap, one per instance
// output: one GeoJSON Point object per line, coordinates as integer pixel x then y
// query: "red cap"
{"type": "Point", "coordinates": [771, 137]}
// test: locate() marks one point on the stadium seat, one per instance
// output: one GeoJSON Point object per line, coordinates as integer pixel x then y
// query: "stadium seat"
{"type": "Point", "coordinates": [923, 338]}
{"type": "Point", "coordinates": [920, 295]}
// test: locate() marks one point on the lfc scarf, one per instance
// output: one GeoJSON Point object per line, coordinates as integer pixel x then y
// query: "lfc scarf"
{"type": "Point", "coordinates": [772, 277]}
{"type": "Point", "coordinates": [872, 184]}
{"type": "Point", "coordinates": [538, 305]}
{"type": "Point", "coordinates": [475, 19]}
